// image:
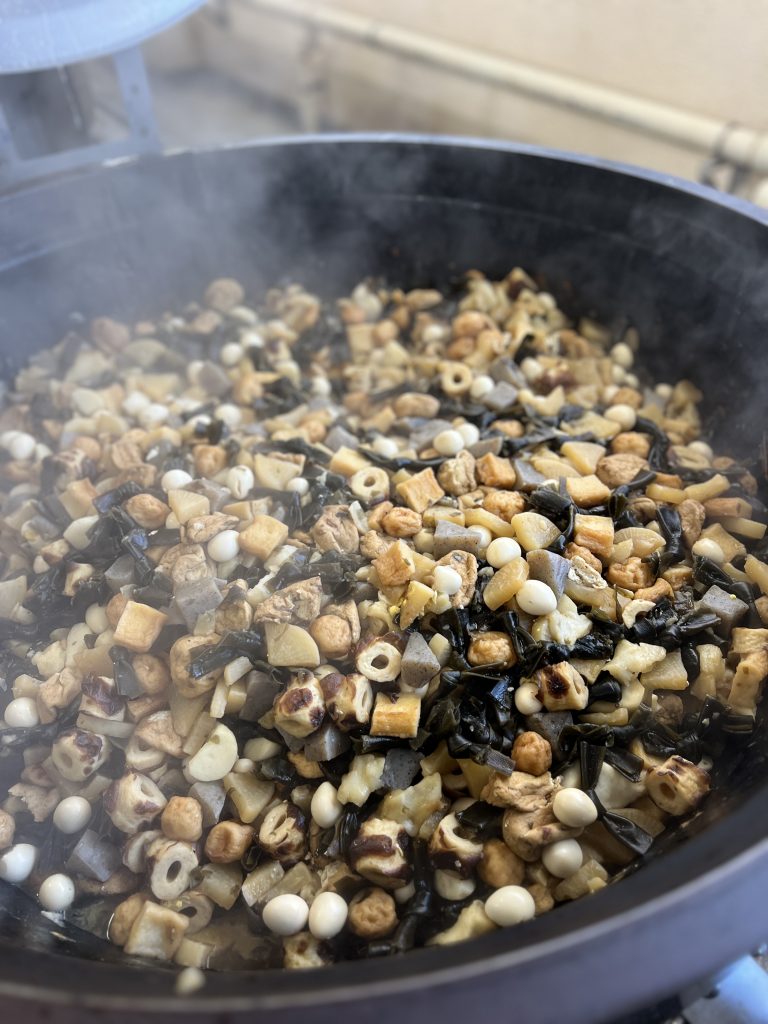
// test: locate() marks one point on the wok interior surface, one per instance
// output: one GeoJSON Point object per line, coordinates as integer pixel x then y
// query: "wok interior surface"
{"type": "Point", "coordinates": [682, 266]}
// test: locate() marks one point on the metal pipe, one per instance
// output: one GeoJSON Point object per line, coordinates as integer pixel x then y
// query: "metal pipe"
{"type": "Point", "coordinates": [736, 144]}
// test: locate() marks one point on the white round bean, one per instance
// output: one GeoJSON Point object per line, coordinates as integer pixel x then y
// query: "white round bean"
{"type": "Point", "coordinates": [510, 905]}
{"type": "Point", "coordinates": [483, 534]}
{"type": "Point", "coordinates": [224, 546]}
{"type": "Point", "coordinates": [561, 859]}
{"type": "Point", "coordinates": [481, 386]}
{"type": "Point", "coordinates": [21, 713]}
{"type": "Point", "coordinates": [622, 355]}
{"type": "Point", "coordinates": [501, 551]}
{"type": "Point", "coordinates": [72, 814]}
{"type": "Point", "coordinates": [448, 442]}
{"type": "Point", "coordinates": [22, 447]}
{"type": "Point", "coordinates": [96, 618]}
{"type": "Point", "coordinates": [229, 414]}
{"type": "Point", "coordinates": [321, 387]}
{"type": "Point", "coordinates": [286, 914]}
{"type": "Point", "coordinates": [536, 598]}
{"type": "Point", "coordinates": [325, 806]}
{"type": "Point", "coordinates": [386, 447]}
{"type": "Point", "coordinates": [134, 402]}
{"type": "Point", "coordinates": [175, 479]}
{"type": "Point", "coordinates": [327, 915]}
{"type": "Point", "coordinates": [298, 484]}
{"type": "Point", "coordinates": [231, 354]}
{"type": "Point", "coordinates": [702, 448]}
{"type": "Point", "coordinates": [469, 433]}
{"type": "Point", "coordinates": [153, 415]}
{"type": "Point", "coordinates": [446, 580]}
{"type": "Point", "coordinates": [623, 414]}
{"type": "Point", "coordinates": [57, 892]}
{"type": "Point", "coordinates": [574, 808]}
{"type": "Point", "coordinates": [17, 863]}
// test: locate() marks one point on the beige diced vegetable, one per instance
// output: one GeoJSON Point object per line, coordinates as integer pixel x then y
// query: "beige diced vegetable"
{"type": "Point", "coordinates": [347, 462]}
{"type": "Point", "coordinates": [494, 523]}
{"type": "Point", "coordinates": [534, 531]}
{"type": "Point", "coordinates": [262, 536]}
{"type": "Point", "coordinates": [711, 488]}
{"type": "Point", "coordinates": [186, 505]}
{"type": "Point", "coordinates": [290, 646]}
{"type": "Point", "coordinates": [595, 533]}
{"type": "Point", "coordinates": [587, 491]}
{"type": "Point", "coordinates": [417, 597]}
{"type": "Point", "coordinates": [249, 794]}
{"type": "Point", "coordinates": [584, 455]}
{"type": "Point", "coordinates": [505, 583]}
{"type": "Point", "coordinates": [271, 471]}
{"type": "Point", "coordinates": [139, 626]}
{"type": "Point", "coordinates": [668, 674]}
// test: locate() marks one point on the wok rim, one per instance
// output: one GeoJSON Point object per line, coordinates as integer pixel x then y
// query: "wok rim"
{"type": "Point", "coordinates": [737, 843]}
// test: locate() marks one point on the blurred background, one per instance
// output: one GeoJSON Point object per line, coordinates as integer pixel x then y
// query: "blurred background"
{"type": "Point", "coordinates": [677, 86]}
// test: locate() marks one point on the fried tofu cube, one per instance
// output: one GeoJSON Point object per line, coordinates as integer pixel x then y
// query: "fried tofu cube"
{"type": "Point", "coordinates": [421, 490]}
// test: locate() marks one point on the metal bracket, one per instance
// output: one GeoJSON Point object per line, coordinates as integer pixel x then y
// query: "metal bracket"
{"type": "Point", "coordinates": [739, 995]}
{"type": "Point", "coordinates": [142, 138]}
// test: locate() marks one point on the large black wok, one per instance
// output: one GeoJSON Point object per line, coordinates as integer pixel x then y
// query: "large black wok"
{"type": "Point", "coordinates": [685, 265]}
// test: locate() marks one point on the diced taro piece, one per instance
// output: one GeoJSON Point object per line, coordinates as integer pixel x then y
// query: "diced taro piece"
{"type": "Point", "coordinates": [528, 478]}
{"type": "Point", "coordinates": [326, 743]}
{"type": "Point", "coordinates": [260, 694]}
{"type": "Point", "coordinates": [418, 664]}
{"type": "Point", "coordinates": [211, 796]}
{"type": "Point", "coordinates": [173, 783]}
{"type": "Point", "coordinates": [729, 609]}
{"type": "Point", "coordinates": [549, 568]}
{"type": "Point", "coordinates": [120, 573]}
{"type": "Point", "coordinates": [338, 437]}
{"type": "Point", "coordinates": [507, 371]}
{"type": "Point", "coordinates": [550, 725]}
{"type": "Point", "coordinates": [94, 857]}
{"type": "Point", "coordinates": [217, 495]}
{"type": "Point", "coordinates": [450, 537]}
{"type": "Point", "coordinates": [501, 398]}
{"type": "Point", "coordinates": [293, 743]}
{"type": "Point", "coordinates": [213, 379]}
{"type": "Point", "coordinates": [400, 768]}
{"type": "Point", "coordinates": [489, 445]}
{"type": "Point", "coordinates": [196, 597]}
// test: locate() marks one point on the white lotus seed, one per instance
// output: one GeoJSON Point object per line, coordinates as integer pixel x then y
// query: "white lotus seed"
{"type": "Point", "coordinates": [574, 808]}
{"type": "Point", "coordinates": [469, 433]}
{"type": "Point", "coordinates": [72, 814]}
{"type": "Point", "coordinates": [325, 807]}
{"type": "Point", "coordinates": [536, 598]}
{"type": "Point", "coordinates": [386, 447]}
{"type": "Point", "coordinates": [501, 551]}
{"type": "Point", "coordinates": [57, 892]}
{"type": "Point", "coordinates": [21, 713]}
{"type": "Point", "coordinates": [286, 914]}
{"type": "Point", "coordinates": [17, 863]}
{"type": "Point", "coordinates": [510, 905]}
{"type": "Point", "coordinates": [622, 355]}
{"type": "Point", "coordinates": [231, 354]}
{"type": "Point", "coordinates": [448, 442]}
{"type": "Point", "coordinates": [623, 414]}
{"type": "Point", "coordinates": [327, 915]}
{"type": "Point", "coordinates": [481, 386]}
{"type": "Point", "coordinates": [561, 859]}
{"type": "Point", "coordinates": [175, 479]}
{"type": "Point", "coordinates": [224, 546]}
{"type": "Point", "coordinates": [526, 699]}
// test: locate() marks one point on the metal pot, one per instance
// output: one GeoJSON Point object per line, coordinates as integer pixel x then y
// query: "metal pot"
{"type": "Point", "coordinates": [682, 263]}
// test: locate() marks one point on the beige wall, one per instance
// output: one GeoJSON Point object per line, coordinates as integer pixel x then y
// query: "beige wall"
{"type": "Point", "coordinates": [704, 56]}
